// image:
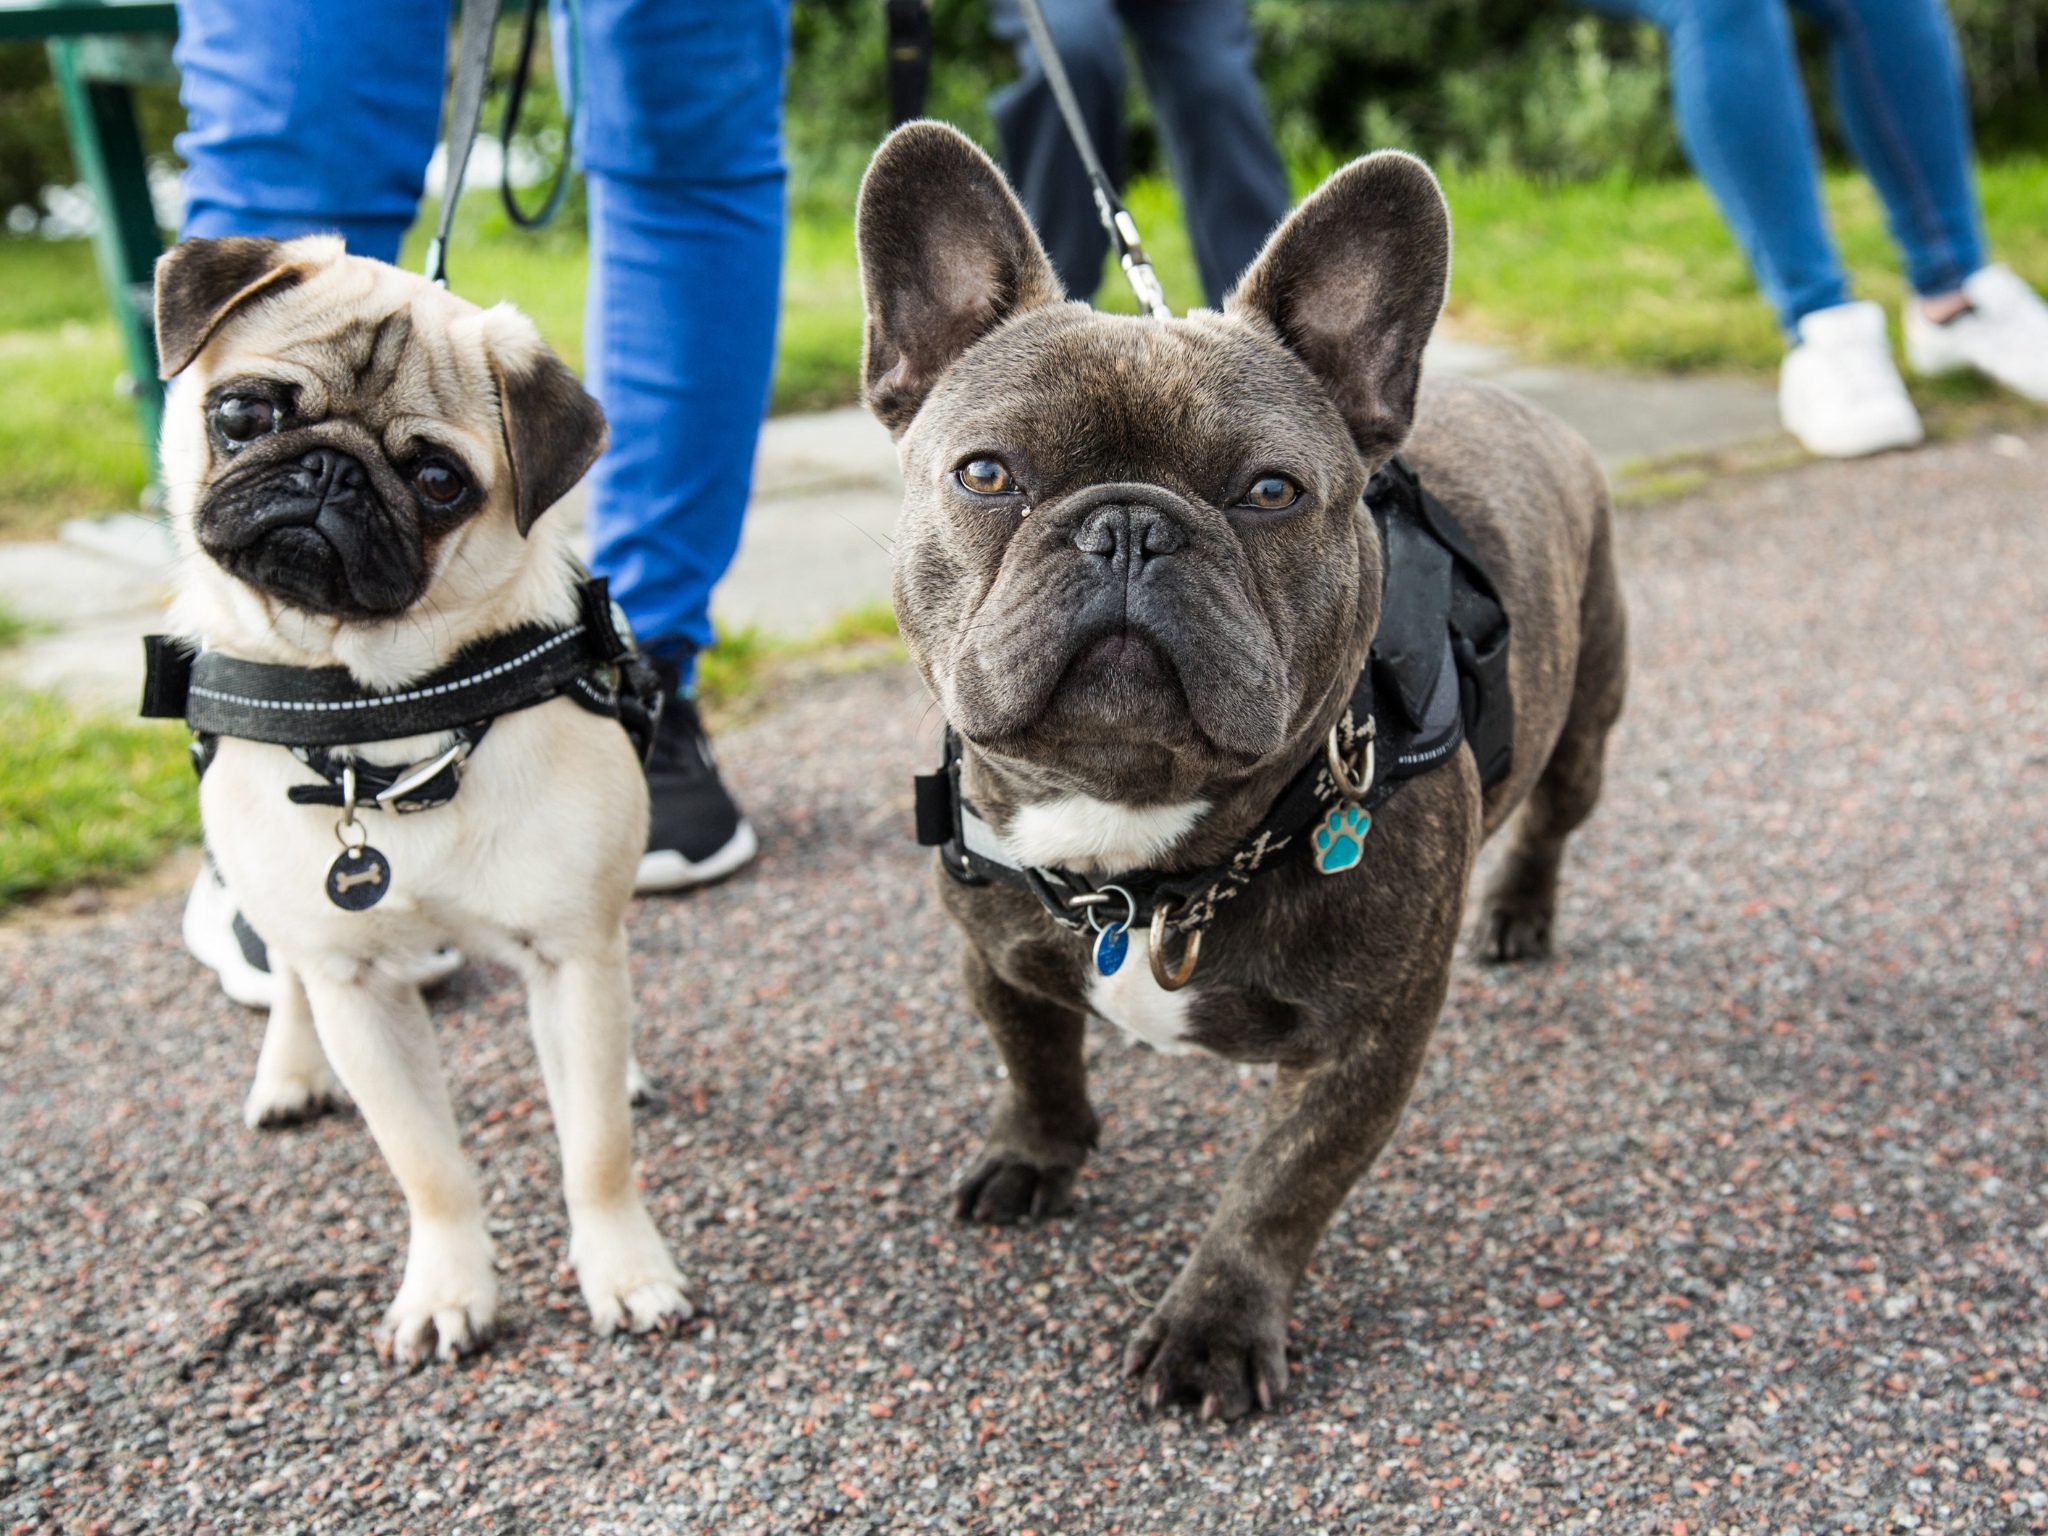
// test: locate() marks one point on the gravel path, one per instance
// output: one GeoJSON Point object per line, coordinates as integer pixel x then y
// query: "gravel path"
{"type": "Point", "coordinates": [1731, 1219]}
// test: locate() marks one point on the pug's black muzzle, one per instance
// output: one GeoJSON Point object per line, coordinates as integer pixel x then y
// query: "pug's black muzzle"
{"type": "Point", "coordinates": [317, 531]}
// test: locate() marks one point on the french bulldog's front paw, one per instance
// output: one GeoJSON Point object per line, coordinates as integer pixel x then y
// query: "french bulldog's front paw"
{"type": "Point", "coordinates": [628, 1279]}
{"type": "Point", "coordinates": [286, 1098]}
{"type": "Point", "coordinates": [1517, 932]}
{"type": "Point", "coordinates": [448, 1301]}
{"type": "Point", "coordinates": [1216, 1341]}
{"type": "Point", "coordinates": [1004, 1186]}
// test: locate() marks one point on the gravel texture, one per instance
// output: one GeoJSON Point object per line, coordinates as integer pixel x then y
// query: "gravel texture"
{"type": "Point", "coordinates": [1730, 1219]}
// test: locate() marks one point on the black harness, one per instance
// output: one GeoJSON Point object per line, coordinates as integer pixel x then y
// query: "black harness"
{"type": "Point", "coordinates": [1437, 675]}
{"type": "Point", "coordinates": [311, 711]}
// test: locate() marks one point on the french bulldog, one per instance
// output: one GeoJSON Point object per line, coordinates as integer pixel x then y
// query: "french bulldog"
{"type": "Point", "coordinates": [356, 465]}
{"type": "Point", "coordinates": [1134, 570]}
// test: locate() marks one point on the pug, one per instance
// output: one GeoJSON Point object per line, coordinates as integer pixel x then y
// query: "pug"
{"type": "Point", "coordinates": [356, 465]}
{"type": "Point", "coordinates": [1134, 569]}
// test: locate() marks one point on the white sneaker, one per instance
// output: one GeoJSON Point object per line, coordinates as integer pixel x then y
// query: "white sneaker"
{"type": "Point", "coordinates": [221, 939]}
{"type": "Point", "coordinates": [1840, 392]}
{"type": "Point", "coordinates": [2003, 334]}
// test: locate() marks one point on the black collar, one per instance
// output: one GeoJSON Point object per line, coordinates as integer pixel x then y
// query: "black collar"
{"type": "Point", "coordinates": [1440, 659]}
{"type": "Point", "coordinates": [313, 709]}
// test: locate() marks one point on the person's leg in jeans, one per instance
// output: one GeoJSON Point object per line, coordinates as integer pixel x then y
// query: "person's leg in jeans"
{"type": "Point", "coordinates": [1743, 118]}
{"type": "Point", "coordinates": [280, 142]}
{"type": "Point", "coordinates": [1038, 155]}
{"type": "Point", "coordinates": [1898, 85]}
{"type": "Point", "coordinates": [1197, 57]}
{"type": "Point", "coordinates": [680, 137]}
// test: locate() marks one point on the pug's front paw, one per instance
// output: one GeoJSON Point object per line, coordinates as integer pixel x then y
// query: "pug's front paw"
{"type": "Point", "coordinates": [286, 1098]}
{"type": "Point", "coordinates": [449, 1298]}
{"type": "Point", "coordinates": [1004, 1185]}
{"type": "Point", "coordinates": [1218, 1341]}
{"type": "Point", "coordinates": [625, 1273]}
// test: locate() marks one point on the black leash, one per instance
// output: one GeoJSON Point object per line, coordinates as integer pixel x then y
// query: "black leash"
{"type": "Point", "coordinates": [1123, 230]}
{"type": "Point", "coordinates": [466, 115]}
{"type": "Point", "coordinates": [516, 98]}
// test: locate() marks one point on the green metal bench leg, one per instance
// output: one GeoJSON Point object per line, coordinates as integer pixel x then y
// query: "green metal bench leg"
{"type": "Point", "coordinates": [100, 117]}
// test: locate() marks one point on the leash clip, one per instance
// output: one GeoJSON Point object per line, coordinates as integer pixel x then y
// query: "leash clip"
{"type": "Point", "coordinates": [1352, 787]}
{"type": "Point", "coordinates": [348, 822]}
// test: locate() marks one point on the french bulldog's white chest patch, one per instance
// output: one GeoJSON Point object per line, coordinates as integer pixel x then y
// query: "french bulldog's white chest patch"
{"type": "Point", "coordinates": [1139, 1006]}
{"type": "Point", "coordinates": [1099, 837]}
{"type": "Point", "coordinates": [1082, 833]}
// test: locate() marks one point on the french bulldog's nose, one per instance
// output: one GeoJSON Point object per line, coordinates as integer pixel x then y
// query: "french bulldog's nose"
{"type": "Point", "coordinates": [327, 476]}
{"type": "Point", "coordinates": [1128, 535]}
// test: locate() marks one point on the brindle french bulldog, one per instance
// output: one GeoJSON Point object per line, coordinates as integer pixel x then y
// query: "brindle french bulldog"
{"type": "Point", "coordinates": [1134, 569]}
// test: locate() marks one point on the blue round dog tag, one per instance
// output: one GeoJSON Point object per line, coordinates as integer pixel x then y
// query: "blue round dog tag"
{"type": "Point", "coordinates": [358, 879]}
{"type": "Point", "coordinates": [1111, 945]}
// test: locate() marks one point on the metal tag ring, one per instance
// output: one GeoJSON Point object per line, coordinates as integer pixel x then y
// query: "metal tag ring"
{"type": "Point", "coordinates": [1174, 980]}
{"type": "Point", "coordinates": [1349, 787]}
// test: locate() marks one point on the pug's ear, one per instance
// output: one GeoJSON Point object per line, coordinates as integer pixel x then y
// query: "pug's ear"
{"type": "Point", "coordinates": [199, 283]}
{"type": "Point", "coordinates": [554, 430]}
{"type": "Point", "coordinates": [1354, 281]}
{"type": "Point", "coordinates": [946, 256]}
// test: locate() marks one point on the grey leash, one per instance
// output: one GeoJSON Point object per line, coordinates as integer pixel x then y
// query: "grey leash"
{"type": "Point", "coordinates": [465, 114]}
{"type": "Point", "coordinates": [1123, 230]}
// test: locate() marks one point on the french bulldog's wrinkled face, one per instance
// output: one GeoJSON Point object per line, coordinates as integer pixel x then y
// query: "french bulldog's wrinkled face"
{"type": "Point", "coordinates": [1132, 555]}
{"type": "Point", "coordinates": [353, 419]}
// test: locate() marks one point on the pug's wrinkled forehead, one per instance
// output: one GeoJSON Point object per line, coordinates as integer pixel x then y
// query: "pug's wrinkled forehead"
{"type": "Point", "coordinates": [351, 416]}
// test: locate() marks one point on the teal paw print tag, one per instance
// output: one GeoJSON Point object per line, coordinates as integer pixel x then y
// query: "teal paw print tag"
{"type": "Point", "coordinates": [1340, 840]}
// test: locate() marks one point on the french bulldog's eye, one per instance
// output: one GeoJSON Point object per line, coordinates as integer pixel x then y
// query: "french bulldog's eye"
{"type": "Point", "coordinates": [243, 418]}
{"type": "Point", "coordinates": [986, 477]}
{"type": "Point", "coordinates": [1272, 493]}
{"type": "Point", "coordinates": [439, 482]}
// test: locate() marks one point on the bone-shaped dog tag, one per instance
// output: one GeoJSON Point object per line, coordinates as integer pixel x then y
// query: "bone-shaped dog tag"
{"type": "Point", "coordinates": [358, 879]}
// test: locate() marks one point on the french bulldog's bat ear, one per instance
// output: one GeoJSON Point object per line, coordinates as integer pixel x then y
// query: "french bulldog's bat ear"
{"type": "Point", "coordinates": [199, 283]}
{"type": "Point", "coordinates": [1354, 281]}
{"type": "Point", "coordinates": [946, 255]}
{"type": "Point", "coordinates": [554, 430]}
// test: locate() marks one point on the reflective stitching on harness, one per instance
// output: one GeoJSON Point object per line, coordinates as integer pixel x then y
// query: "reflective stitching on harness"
{"type": "Point", "coordinates": [382, 699]}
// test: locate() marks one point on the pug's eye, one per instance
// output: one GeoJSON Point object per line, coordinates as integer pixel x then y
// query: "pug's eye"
{"type": "Point", "coordinates": [243, 418]}
{"type": "Point", "coordinates": [439, 483]}
{"type": "Point", "coordinates": [986, 477]}
{"type": "Point", "coordinates": [1272, 493]}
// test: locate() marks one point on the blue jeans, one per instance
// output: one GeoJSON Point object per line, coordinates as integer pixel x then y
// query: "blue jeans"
{"type": "Point", "coordinates": [309, 115]}
{"type": "Point", "coordinates": [1743, 117]}
{"type": "Point", "coordinates": [1197, 60]}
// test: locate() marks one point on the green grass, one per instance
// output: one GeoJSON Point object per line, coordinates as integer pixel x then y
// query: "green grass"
{"type": "Point", "coordinates": [735, 672]}
{"type": "Point", "coordinates": [1644, 275]}
{"type": "Point", "coordinates": [86, 799]}
{"type": "Point", "coordinates": [1606, 274]}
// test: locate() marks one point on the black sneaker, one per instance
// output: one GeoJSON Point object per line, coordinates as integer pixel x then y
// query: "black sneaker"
{"type": "Point", "coordinates": [221, 939]}
{"type": "Point", "coordinates": [695, 833]}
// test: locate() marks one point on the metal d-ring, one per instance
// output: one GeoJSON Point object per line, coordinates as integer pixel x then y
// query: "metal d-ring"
{"type": "Point", "coordinates": [1174, 980]}
{"type": "Point", "coordinates": [1094, 899]}
{"type": "Point", "coordinates": [348, 822]}
{"type": "Point", "coordinates": [1352, 788]}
